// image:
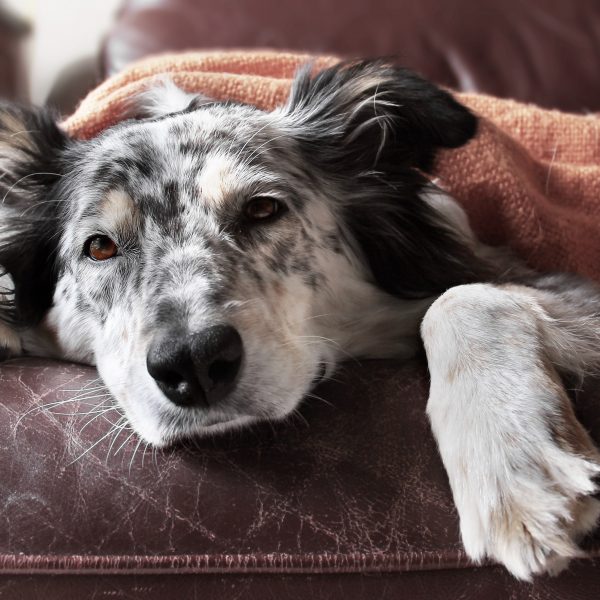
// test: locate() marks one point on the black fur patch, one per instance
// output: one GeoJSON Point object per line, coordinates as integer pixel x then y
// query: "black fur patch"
{"type": "Point", "coordinates": [29, 236]}
{"type": "Point", "coordinates": [371, 114]}
{"type": "Point", "coordinates": [372, 128]}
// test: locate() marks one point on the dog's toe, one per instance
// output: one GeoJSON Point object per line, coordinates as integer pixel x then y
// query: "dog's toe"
{"type": "Point", "coordinates": [536, 519]}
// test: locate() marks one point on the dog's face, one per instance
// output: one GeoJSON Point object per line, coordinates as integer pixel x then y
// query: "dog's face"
{"type": "Point", "coordinates": [209, 256]}
{"type": "Point", "coordinates": [215, 260]}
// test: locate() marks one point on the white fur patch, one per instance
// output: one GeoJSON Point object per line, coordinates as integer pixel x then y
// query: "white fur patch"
{"type": "Point", "coordinates": [162, 98]}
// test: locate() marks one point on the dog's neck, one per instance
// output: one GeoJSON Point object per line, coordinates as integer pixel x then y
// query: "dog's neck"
{"type": "Point", "coordinates": [368, 323]}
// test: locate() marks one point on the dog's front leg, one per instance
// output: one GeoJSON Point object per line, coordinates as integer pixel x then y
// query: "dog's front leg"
{"type": "Point", "coordinates": [520, 465]}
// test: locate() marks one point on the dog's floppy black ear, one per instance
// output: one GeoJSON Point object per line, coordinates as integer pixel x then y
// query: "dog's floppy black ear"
{"type": "Point", "coordinates": [372, 128]}
{"type": "Point", "coordinates": [371, 112]}
{"type": "Point", "coordinates": [32, 148]}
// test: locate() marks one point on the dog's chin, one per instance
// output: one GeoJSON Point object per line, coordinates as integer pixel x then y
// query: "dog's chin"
{"type": "Point", "coordinates": [166, 436]}
{"type": "Point", "coordinates": [171, 428]}
{"type": "Point", "coordinates": [215, 426]}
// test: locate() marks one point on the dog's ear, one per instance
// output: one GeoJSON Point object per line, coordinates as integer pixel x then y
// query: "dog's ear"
{"type": "Point", "coordinates": [32, 149]}
{"type": "Point", "coordinates": [372, 113]}
{"type": "Point", "coordinates": [371, 128]}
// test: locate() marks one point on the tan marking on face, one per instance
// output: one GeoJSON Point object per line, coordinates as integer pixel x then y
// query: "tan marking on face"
{"type": "Point", "coordinates": [218, 178]}
{"type": "Point", "coordinates": [117, 210]}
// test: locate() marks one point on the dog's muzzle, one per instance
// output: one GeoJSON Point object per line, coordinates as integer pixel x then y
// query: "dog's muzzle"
{"type": "Point", "coordinates": [198, 369]}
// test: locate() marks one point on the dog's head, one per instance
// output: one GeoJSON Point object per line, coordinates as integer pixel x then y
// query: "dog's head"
{"type": "Point", "coordinates": [215, 260]}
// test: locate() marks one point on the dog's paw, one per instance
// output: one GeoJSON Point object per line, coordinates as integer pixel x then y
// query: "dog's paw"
{"type": "Point", "coordinates": [531, 516]}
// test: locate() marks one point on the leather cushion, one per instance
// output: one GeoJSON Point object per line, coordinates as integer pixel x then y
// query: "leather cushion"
{"type": "Point", "coordinates": [353, 484]}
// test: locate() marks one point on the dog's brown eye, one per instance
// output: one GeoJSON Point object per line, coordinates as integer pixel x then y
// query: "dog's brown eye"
{"type": "Point", "coordinates": [261, 208]}
{"type": "Point", "coordinates": [100, 247]}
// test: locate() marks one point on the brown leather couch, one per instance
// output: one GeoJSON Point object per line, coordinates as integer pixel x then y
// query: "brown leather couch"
{"type": "Point", "coordinates": [13, 32]}
{"type": "Point", "coordinates": [348, 500]}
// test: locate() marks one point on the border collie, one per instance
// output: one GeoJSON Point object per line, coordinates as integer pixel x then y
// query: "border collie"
{"type": "Point", "coordinates": [214, 261]}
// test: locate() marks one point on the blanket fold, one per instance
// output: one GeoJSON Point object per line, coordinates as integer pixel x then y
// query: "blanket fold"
{"type": "Point", "coordinates": [530, 179]}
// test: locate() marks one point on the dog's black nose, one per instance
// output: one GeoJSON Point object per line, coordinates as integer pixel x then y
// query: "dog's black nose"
{"type": "Point", "coordinates": [197, 369]}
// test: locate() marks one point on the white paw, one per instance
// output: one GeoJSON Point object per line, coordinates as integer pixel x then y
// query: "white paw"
{"type": "Point", "coordinates": [531, 517]}
{"type": "Point", "coordinates": [520, 464]}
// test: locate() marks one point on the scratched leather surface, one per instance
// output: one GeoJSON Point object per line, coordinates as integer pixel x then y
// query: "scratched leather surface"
{"type": "Point", "coordinates": [353, 485]}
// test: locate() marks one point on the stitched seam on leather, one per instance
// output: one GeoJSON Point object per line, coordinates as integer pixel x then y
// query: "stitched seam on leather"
{"type": "Point", "coordinates": [235, 563]}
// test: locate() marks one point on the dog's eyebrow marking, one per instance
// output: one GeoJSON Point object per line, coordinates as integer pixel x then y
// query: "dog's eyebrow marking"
{"type": "Point", "coordinates": [224, 176]}
{"type": "Point", "coordinates": [218, 178]}
{"type": "Point", "coordinates": [117, 209]}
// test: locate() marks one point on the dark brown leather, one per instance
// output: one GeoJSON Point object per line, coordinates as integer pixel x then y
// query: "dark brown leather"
{"type": "Point", "coordinates": [543, 51]}
{"type": "Point", "coordinates": [353, 488]}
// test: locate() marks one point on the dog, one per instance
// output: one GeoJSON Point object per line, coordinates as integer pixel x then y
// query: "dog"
{"type": "Point", "coordinates": [215, 261]}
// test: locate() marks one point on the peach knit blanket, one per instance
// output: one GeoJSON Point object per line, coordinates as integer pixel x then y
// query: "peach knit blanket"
{"type": "Point", "coordinates": [530, 179]}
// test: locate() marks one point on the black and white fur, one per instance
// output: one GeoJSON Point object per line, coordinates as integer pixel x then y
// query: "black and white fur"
{"type": "Point", "coordinates": [364, 255]}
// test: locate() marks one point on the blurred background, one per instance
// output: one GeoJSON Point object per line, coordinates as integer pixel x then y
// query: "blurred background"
{"type": "Point", "coordinates": [63, 32]}
{"type": "Point", "coordinates": [542, 51]}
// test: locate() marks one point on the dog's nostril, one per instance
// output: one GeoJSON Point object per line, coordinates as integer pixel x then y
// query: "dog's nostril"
{"type": "Point", "coordinates": [169, 363]}
{"type": "Point", "coordinates": [179, 386]}
{"type": "Point", "coordinates": [222, 370]}
{"type": "Point", "coordinates": [172, 379]}
{"type": "Point", "coordinates": [219, 349]}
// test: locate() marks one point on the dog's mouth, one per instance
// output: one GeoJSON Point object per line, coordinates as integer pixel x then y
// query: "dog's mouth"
{"type": "Point", "coordinates": [218, 420]}
{"type": "Point", "coordinates": [214, 425]}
